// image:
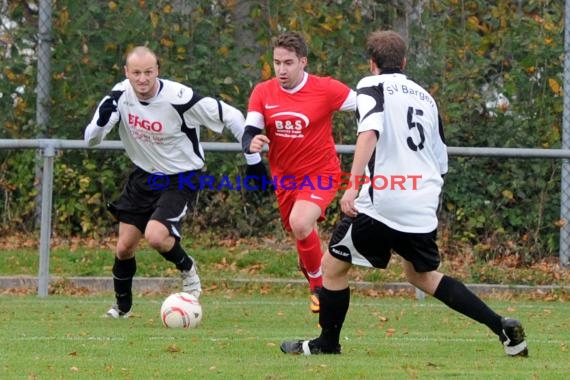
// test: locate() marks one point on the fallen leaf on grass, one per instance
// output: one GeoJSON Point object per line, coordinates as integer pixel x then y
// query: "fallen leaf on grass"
{"type": "Point", "coordinates": [173, 348]}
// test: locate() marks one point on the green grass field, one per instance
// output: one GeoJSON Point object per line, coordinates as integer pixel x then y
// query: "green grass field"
{"type": "Point", "coordinates": [258, 259]}
{"type": "Point", "coordinates": [66, 337]}
{"type": "Point", "coordinates": [386, 336]}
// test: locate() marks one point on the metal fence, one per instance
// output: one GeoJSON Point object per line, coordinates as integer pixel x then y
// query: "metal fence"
{"type": "Point", "coordinates": [49, 147]}
{"type": "Point", "coordinates": [565, 174]}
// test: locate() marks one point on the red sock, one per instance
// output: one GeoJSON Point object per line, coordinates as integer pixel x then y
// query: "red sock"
{"type": "Point", "coordinates": [310, 256]}
{"type": "Point", "coordinates": [302, 268]}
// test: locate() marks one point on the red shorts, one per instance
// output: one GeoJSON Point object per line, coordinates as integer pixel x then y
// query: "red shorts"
{"type": "Point", "coordinates": [319, 189]}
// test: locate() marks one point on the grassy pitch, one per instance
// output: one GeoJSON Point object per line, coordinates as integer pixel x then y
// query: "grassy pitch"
{"type": "Point", "coordinates": [66, 337]}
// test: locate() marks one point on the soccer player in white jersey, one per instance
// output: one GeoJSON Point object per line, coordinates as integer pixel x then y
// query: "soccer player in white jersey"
{"type": "Point", "coordinates": [159, 123]}
{"type": "Point", "coordinates": [400, 158]}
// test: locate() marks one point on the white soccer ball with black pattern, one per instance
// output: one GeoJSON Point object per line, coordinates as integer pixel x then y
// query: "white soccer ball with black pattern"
{"type": "Point", "coordinates": [181, 310]}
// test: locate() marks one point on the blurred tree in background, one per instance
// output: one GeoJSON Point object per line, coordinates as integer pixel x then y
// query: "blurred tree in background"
{"type": "Point", "coordinates": [495, 69]}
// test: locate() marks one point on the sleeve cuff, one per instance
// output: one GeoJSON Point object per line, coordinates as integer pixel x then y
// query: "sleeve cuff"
{"type": "Point", "coordinates": [252, 158]}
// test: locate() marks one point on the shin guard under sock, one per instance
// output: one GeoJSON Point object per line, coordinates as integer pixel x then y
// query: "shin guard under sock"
{"type": "Point", "coordinates": [334, 306]}
{"type": "Point", "coordinates": [458, 297]}
{"type": "Point", "coordinates": [310, 256]}
{"type": "Point", "coordinates": [123, 273]}
{"type": "Point", "coordinates": [178, 257]}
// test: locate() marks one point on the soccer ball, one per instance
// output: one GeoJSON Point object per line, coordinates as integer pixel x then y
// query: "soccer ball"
{"type": "Point", "coordinates": [181, 310]}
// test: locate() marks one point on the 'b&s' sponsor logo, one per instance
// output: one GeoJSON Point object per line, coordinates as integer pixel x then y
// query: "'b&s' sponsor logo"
{"type": "Point", "coordinates": [290, 121]}
{"type": "Point", "coordinates": [290, 124]}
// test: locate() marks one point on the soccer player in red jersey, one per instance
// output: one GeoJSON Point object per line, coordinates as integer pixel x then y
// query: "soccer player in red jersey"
{"type": "Point", "coordinates": [296, 109]}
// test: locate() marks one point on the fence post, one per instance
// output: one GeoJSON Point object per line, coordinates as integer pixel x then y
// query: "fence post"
{"type": "Point", "coordinates": [564, 252]}
{"type": "Point", "coordinates": [46, 210]}
{"type": "Point", "coordinates": [43, 87]}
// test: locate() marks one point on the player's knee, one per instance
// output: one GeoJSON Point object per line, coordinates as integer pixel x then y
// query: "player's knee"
{"type": "Point", "coordinates": [415, 278]}
{"type": "Point", "coordinates": [300, 228]}
{"type": "Point", "coordinates": [427, 281]}
{"type": "Point", "coordinates": [124, 250]}
{"type": "Point", "coordinates": [156, 240]}
{"type": "Point", "coordinates": [333, 267]}
{"type": "Point", "coordinates": [157, 236]}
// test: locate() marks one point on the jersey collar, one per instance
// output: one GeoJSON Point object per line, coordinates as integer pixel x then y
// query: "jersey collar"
{"type": "Point", "coordinates": [391, 71]}
{"type": "Point", "coordinates": [148, 101]}
{"type": "Point", "coordinates": [299, 86]}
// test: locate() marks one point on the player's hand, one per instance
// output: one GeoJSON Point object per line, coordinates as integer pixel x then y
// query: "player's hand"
{"type": "Point", "coordinates": [347, 202]}
{"type": "Point", "coordinates": [257, 173]}
{"type": "Point", "coordinates": [257, 143]}
{"type": "Point", "coordinates": [107, 112]}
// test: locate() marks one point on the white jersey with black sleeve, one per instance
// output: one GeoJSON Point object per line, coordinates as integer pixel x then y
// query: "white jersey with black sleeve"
{"type": "Point", "coordinates": [162, 134]}
{"type": "Point", "coordinates": [410, 157]}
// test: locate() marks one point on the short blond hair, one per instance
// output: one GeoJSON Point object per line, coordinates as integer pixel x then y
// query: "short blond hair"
{"type": "Point", "coordinates": [140, 51]}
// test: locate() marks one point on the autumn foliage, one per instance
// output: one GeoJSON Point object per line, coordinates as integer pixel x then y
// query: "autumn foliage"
{"type": "Point", "coordinates": [495, 69]}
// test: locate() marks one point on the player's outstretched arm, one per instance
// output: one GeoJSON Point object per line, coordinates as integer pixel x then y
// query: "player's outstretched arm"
{"type": "Point", "coordinates": [235, 121]}
{"type": "Point", "coordinates": [105, 118]}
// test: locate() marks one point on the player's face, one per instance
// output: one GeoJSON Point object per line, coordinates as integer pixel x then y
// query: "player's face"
{"type": "Point", "coordinates": [142, 71]}
{"type": "Point", "coordinates": [288, 67]}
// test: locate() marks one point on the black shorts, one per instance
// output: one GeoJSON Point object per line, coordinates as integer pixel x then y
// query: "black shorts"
{"type": "Point", "coordinates": [366, 241]}
{"type": "Point", "coordinates": [139, 202]}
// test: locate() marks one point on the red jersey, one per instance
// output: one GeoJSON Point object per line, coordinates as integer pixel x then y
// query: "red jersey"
{"type": "Point", "coordinates": [298, 123]}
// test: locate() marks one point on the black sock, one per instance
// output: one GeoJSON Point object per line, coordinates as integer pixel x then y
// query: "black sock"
{"type": "Point", "coordinates": [123, 273]}
{"type": "Point", "coordinates": [178, 257]}
{"type": "Point", "coordinates": [457, 296]}
{"type": "Point", "coordinates": [334, 306]}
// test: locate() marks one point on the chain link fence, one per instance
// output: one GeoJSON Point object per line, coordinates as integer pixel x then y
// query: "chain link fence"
{"type": "Point", "coordinates": [43, 88]}
{"type": "Point", "coordinates": [565, 175]}
{"type": "Point", "coordinates": [44, 47]}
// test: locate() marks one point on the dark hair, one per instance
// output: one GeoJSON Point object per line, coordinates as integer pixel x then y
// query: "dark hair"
{"type": "Point", "coordinates": [292, 41]}
{"type": "Point", "coordinates": [386, 48]}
